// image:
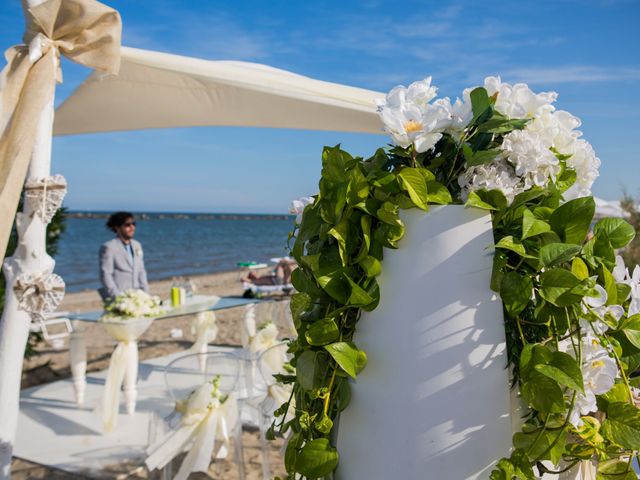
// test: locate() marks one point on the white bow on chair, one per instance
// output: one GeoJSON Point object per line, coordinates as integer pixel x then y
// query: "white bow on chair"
{"type": "Point", "coordinates": [265, 337]}
{"type": "Point", "coordinates": [207, 416]}
{"type": "Point", "coordinates": [205, 328]}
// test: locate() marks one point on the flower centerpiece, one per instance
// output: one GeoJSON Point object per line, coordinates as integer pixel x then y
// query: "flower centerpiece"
{"type": "Point", "coordinates": [571, 309]}
{"type": "Point", "coordinates": [126, 318]}
{"type": "Point", "coordinates": [132, 304]}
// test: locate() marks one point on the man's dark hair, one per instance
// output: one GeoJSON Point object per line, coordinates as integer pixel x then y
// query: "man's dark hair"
{"type": "Point", "coordinates": [118, 219]}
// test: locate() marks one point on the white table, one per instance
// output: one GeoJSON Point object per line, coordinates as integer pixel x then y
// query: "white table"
{"type": "Point", "coordinates": [78, 348]}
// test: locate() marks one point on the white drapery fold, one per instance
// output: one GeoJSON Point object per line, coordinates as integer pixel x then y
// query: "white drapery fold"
{"type": "Point", "coordinates": [120, 358]}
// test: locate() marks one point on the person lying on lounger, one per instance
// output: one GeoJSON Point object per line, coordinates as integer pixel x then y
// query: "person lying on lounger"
{"type": "Point", "coordinates": [280, 276]}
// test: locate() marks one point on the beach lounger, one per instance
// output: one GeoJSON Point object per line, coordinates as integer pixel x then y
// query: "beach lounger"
{"type": "Point", "coordinates": [267, 289]}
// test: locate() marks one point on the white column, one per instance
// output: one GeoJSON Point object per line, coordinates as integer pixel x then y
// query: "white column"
{"type": "Point", "coordinates": [30, 257]}
{"type": "Point", "coordinates": [433, 401]}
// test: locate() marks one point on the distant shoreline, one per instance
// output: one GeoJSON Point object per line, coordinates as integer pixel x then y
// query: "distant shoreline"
{"type": "Point", "coordinates": [185, 216]}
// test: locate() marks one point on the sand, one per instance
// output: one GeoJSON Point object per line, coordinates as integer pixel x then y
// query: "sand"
{"type": "Point", "coordinates": [52, 364]}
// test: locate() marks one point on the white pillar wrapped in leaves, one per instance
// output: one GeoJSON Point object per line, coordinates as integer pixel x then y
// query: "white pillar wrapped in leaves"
{"type": "Point", "coordinates": [433, 401]}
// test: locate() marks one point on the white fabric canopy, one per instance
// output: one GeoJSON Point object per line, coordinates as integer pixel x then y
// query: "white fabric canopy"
{"type": "Point", "coordinates": [160, 90]}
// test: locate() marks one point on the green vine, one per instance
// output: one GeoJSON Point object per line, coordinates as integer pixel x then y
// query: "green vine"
{"type": "Point", "coordinates": [549, 266]}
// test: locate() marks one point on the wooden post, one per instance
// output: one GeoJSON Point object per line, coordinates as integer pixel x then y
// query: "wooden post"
{"type": "Point", "coordinates": [29, 257]}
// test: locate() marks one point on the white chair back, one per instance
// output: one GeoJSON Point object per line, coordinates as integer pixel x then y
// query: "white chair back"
{"type": "Point", "coordinates": [184, 374]}
{"type": "Point", "coordinates": [272, 361]}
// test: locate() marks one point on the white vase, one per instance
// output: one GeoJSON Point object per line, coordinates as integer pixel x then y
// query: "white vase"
{"type": "Point", "coordinates": [126, 330]}
{"type": "Point", "coordinates": [433, 401]}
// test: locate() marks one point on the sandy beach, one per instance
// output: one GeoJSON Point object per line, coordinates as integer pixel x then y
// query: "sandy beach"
{"type": "Point", "coordinates": [53, 364]}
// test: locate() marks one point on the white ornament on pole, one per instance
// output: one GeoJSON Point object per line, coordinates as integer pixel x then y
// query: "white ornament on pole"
{"type": "Point", "coordinates": [30, 257]}
{"type": "Point", "coordinates": [433, 401]}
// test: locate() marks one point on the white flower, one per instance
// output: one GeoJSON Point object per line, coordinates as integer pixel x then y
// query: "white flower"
{"type": "Point", "coordinates": [599, 372]}
{"type": "Point", "coordinates": [518, 101]}
{"type": "Point", "coordinates": [557, 130]}
{"type": "Point", "coordinates": [410, 119]}
{"type": "Point", "coordinates": [460, 114]}
{"type": "Point", "coordinates": [529, 153]}
{"type": "Point", "coordinates": [133, 304]}
{"type": "Point", "coordinates": [621, 275]}
{"type": "Point", "coordinates": [597, 305]}
{"type": "Point", "coordinates": [494, 175]}
{"type": "Point", "coordinates": [298, 206]}
{"type": "Point", "coordinates": [620, 272]}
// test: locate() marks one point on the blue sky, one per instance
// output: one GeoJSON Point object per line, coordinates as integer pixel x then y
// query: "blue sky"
{"type": "Point", "coordinates": [587, 51]}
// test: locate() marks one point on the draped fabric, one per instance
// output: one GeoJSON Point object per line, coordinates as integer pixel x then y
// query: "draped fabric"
{"type": "Point", "coordinates": [162, 90]}
{"type": "Point", "coordinates": [84, 31]}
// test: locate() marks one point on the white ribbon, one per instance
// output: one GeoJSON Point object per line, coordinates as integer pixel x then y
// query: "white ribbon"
{"type": "Point", "coordinates": [198, 431]}
{"type": "Point", "coordinates": [266, 336]}
{"type": "Point", "coordinates": [206, 331]}
{"type": "Point", "coordinates": [279, 394]}
{"type": "Point", "coordinates": [248, 325]}
{"type": "Point", "coordinates": [115, 376]}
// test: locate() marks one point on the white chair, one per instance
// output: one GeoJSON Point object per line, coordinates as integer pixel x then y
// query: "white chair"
{"type": "Point", "coordinates": [184, 375]}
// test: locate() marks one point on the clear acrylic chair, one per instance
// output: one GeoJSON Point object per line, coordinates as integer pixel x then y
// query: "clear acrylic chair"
{"type": "Point", "coordinates": [185, 374]}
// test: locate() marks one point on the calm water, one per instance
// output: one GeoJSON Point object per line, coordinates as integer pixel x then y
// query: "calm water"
{"type": "Point", "coordinates": [173, 246]}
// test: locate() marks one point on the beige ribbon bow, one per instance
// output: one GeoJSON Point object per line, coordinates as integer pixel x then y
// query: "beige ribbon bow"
{"type": "Point", "coordinates": [84, 31]}
{"type": "Point", "coordinates": [39, 294]}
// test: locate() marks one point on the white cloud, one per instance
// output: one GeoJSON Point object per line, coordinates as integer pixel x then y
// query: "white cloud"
{"type": "Point", "coordinates": [571, 74]}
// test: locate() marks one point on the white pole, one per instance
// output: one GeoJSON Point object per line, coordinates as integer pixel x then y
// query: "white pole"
{"type": "Point", "coordinates": [29, 257]}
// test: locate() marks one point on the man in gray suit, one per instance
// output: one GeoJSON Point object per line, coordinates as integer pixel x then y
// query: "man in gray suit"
{"type": "Point", "coordinates": [121, 259]}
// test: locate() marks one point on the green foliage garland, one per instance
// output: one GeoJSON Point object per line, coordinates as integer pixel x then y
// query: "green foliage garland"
{"type": "Point", "coordinates": [549, 267]}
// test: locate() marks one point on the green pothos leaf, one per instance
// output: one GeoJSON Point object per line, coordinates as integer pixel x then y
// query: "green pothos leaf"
{"type": "Point", "coordinates": [317, 458]}
{"type": "Point", "coordinates": [414, 183]}
{"type": "Point", "coordinates": [347, 355]}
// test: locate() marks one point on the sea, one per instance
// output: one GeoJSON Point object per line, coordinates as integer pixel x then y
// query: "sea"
{"type": "Point", "coordinates": [175, 245]}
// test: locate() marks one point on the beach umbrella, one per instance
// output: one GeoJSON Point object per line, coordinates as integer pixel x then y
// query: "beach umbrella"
{"type": "Point", "coordinates": [160, 90]}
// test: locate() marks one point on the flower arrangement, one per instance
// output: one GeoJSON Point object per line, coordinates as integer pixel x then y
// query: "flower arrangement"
{"type": "Point", "coordinates": [571, 308]}
{"type": "Point", "coordinates": [133, 304]}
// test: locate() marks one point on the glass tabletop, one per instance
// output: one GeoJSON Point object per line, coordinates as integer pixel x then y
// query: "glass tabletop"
{"type": "Point", "coordinates": [196, 304]}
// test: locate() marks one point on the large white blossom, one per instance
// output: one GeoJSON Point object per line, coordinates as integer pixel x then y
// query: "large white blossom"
{"type": "Point", "coordinates": [495, 175]}
{"type": "Point", "coordinates": [599, 369]}
{"type": "Point", "coordinates": [518, 101]}
{"type": "Point", "coordinates": [460, 114]}
{"type": "Point", "coordinates": [535, 151]}
{"type": "Point", "coordinates": [584, 161]}
{"type": "Point", "coordinates": [532, 158]}
{"type": "Point", "coordinates": [599, 372]}
{"type": "Point", "coordinates": [410, 119]}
